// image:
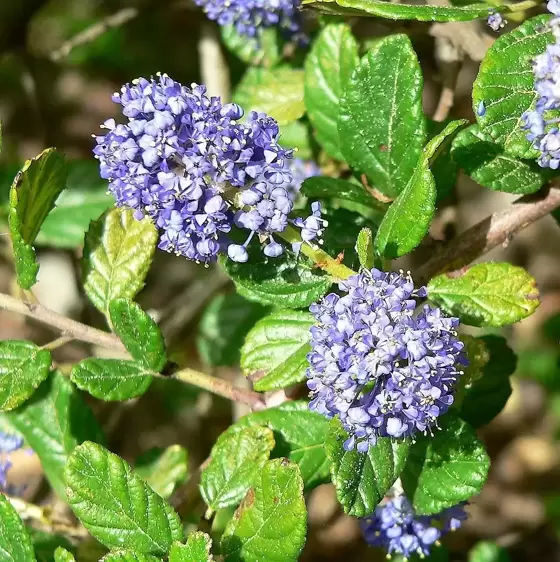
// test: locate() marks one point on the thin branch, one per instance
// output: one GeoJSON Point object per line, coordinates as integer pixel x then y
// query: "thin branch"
{"type": "Point", "coordinates": [188, 494]}
{"type": "Point", "coordinates": [498, 228]}
{"type": "Point", "coordinates": [214, 68]}
{"type": "Point", "coordinates": [58, 342]}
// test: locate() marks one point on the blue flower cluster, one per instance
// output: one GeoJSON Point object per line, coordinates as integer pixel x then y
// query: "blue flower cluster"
{"type": "Point", "coordinates": [395, 527]}
{"type": "Point", "coordinates": [382, 368]}
{"type": "Point", "coordinates": [496, 21]}
{"type": "Point", "coordinates": [8, 444]}
{"type": "Point", "coordinates": [186, 161]}
{"type": "Point", "coordinates": [249, 17]}
{"type": "Point", "coordinates": [542, 131]}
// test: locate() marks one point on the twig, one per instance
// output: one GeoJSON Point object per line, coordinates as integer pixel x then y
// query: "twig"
{"type": "Point", "coordinates": [498, 228]}
{"type": "Point", "coordinates": [186, 495]}
{"type": "Point", "coordinates": [58, 342]}
{"type": "Point", "coordinates": [214, 69]}
{"type": "Point", "coordinates": [450, 60]}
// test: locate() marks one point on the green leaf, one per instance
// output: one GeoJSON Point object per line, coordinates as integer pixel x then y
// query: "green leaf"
{"type": "Point", "coordinates": [384, 9]}
{"type": "Point", "coordinates": [271, 523]}
{"type": "Point", "coordinates": [364, 248]}
{"type": "Point", "coordinates": [486, 294]}
{"type": "Point", "coordinates": [505, 85]}
{"type": "Point", "coordinates": [139, 333]}
{"type": "Point", "coordinates": [32, 197]}
{"type": "Point", "coordinates": [264, 51]}
{"type": "Point", "coordinates": [381, 124]}
{"type": "Point", "coordinates": [328, 66]}
{"type": "Point", "coordinates": [444, 469]}
{"type": "Point", "coordinates": [222, 329]}
{"type": "Point", "coordinates": [296, 135]}
{"type": "Point", "coordinates": [236, 459]}
{"type": "Point", "coordinates": [62, 555]}
{"type": "Point", "coordinates": [486, 551]}
{"type": "Point", "coordinates": [53, 422]}
{"type": "Point", "coordinates": [115, 505]}
{"type": "Point", "coordinates": [362, 479]}
{"type": "Point", "coordinates": [300, 436]}
{"type": "Point", "coordinates": [128, 556]}
{"type": "Point", "coordinates": [275, 351]}
{"type": "Point", "coordinates": [84, 200]}
{"type": "Point", "coordinates": [118, 251]}
{"type": "Point", "coordinates": [487, 164]}
{"type": "Point", "coordinates": [323, 187]}
{"type": "Point", "coordinates": [285, 282]}
{"type": "Point", "coordinates": [111, 379]}
{"type": "Point", "coordinates": [45, 544]}
{"type": "Point", "coordinates": [444, 169]}
{"type": "Point", "coordinates": [163, 470]}
{"type": "Point", "coordinates": [23, 367]}
{"type": "Point", "coordinates": [486, 397]}
{"type": "Point", "coordinates": [277, 92]}
{"type": "Point", "coordinates": [197, 549]}
{"type": "Point", "coordinates": [15, 544]}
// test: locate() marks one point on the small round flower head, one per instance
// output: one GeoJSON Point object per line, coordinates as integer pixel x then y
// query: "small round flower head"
{"type": "Point", "coordinates": [250, 17]}
{"type": "Point", "coordinates": [395, 527]}
{"type": "Point", "coordinates": [379, 366]}
{"type": "Point", "coordinates": [496, 21]}
{"type": "Point", "coordinates": [8, 444]}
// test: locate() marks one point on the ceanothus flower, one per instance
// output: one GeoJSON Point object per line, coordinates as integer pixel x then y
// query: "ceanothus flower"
{"type": "Point", "coordinates": [395, 527]}
{"type": "Point", "coordinates": [382, 368]}
{"type": "Point", "coordinates": [187, 161]}
{"type": "Point", "coordinates": [8, 444]}
{"type": "Point", "coordinates": [496, 21]}
{"type": "Point", "coordinates": [250, 17]}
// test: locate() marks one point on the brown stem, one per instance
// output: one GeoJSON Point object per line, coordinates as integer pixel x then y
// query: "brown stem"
{"type": "Point", "coordinates": [498, 228]}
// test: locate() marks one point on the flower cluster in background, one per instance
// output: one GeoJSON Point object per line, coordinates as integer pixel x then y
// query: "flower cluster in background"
{"type": "Point", "coordinates": [542, 132]}
{"type": "Point", "coordinates": [8, 444]}
{"type": "Point", "coordinates": [395, 527]}
{"type": "Point", "coordinates": [250, 17]}
{"type": "Point", "coordinates": [496, 21]}
{"type": "Point", "coordinates": [185, 160]}
{"type": "Point", "coordinates": [382, 368]}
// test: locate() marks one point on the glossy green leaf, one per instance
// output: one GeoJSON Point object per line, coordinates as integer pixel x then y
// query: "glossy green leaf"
{"type": "Point", "coordinates": [235, 461]}
{"type": "Point", "coordinates": [486, 551]}
{"type": "Point", "coordinates": [300, 436]}
{"type": "Point", "coordinates": [328, 66]}
{"type": "Point", "coordinates": [32, 196]}
{"type": "Point", "coordinates": [277, 92]}
{"type": "Point", "coordinates": [271, 523]}
{"type": "Point", "coordinates": [486, 294]}
{"type": "Point", "coordinates": [275, 350]}
{"type": "Point", "coordinates": [485, 398]}
{"type": "Point", "coordinates": [118, 251]}
{"type": "Point", "coordinates": [362, 479]}
{"type": "Point", "coordinates": [15, 544]}
{"type": "Point", "coordinates": [323, 187]}
{"type": "Point", "coordinates": [62, 555]}
{"type": "Point", "coordinates": [444, 469]}
{"type": "Point", "coordinates": [54, 422]}
{"type": "Point", "coordinates": [444, 169]}
{"type": "Point", "coordinates": [111, 379]}
{"type": "Point", "coordinates": [487, 164]}
{"type": "Point", "coordinates": [381, 124]}
{"type": "Point", "coordinates": [264, 51]}
{"type": "Point", "coordinates": [115, 505]}
{"type": "Point", "coordinates": [139, 333]}
{"type": "Point", "coordinates": [23, 367]}
{"type": "Point", "coordinates": [505, 85]}
{"type": "Point", "coordinates": [84, 200]}
{"type": "Point", "coordinates": [224, 324]}
{"type": "Point", "coordinates": [364, 248]}
{"type": "Point", "coordinates": [197, 549]}
{"type": "Point", "coordinates": [285, 282]}
{"type": "Point", "coordinates": [384, 9]}
{"type": "Point", "coordinates": [163, 470]}
{"type": "Point", "coordinates": [128, 556]}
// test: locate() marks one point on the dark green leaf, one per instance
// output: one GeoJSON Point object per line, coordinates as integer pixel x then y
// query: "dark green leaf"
{"type": "Point", "coordinates": [362, 479]}
{"type": "Point", "coordinates": [323, 187]}
{"type": "Point", "coordinates": [275, 351]}
{"type": "Point", "coordinates": [485, 398]}
{"type": "Point", "coordinates": [53, 422]}
{"type": "Point", "coordinates": [364, 248]}
{"type": "Point", "coordinates": [487, 294]}
{"type": "Point", "coordinates": [128, 556]}
{"type": "Point", "coordinates": [118, 252]}
{"type": "Point", "coordinates": [32, 197]}
{"type": "Point", "coordinates": [265, 51]}
{"type": "Point", "coordinates": [444, 469]}
{"type": "Point", "coordinates": [332, 59]}
{"type": "Point", "coordinates": [164, 470]}
{"type": "Point", "coordinates": [277, 92]}
{"type": "Point", "coordinates": [111, 379]}
{"type": "Point", "coordinates": [487, 164]}
{"type": "Point", "coordinates": [222, 329]}
{"type": "Point", "coordinates": [15, 544]}
{"type": "Point", "coordinates": [139, 333]}
{"type": "Point", "coordinates": [300, 436]}
{"type": "Point", "coordinates": [62, 555]}
{"type": "Point", "coordinates": [381, 124]}
{"type": "Point", "coordinates": [271, 523]}
{"type": "Point", "coordinates": [23, 367]}
{"type": "Point", "coordinates": [444, 169]}
{"type": "Point", "coordinates": [505, 85]}
{"type": "Point", "coordinates": [197, 549]}
{"type": "Point", "coordinates": [115, 505]}
{"type": "Point", "coordinates": [45, 544]}
{"type": "Point", "coordinates": [486, 551]}
{"type": "Point", "coordinates": [236, 459]}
